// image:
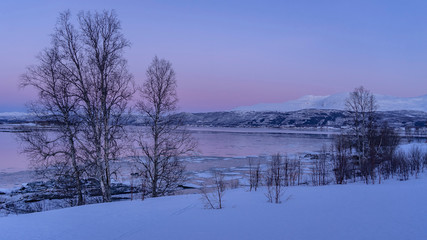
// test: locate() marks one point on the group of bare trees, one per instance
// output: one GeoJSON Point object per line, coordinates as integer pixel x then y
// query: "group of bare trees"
{"type": "Point", "coordinates": [274, 179]}
{"type": "Point", "coordinates": [85, 88]}
{"type": "Point", "coordinates": [362, 106]}
{"type": "Point", "coordinates": [254, 174]}
{"type": "Point", "coordinates": [368, 151]}
{"type": "Point", "coordinates": [320, 168]}
{"type": "Point", "coordinates": [389, 162]}
{"type": "Point", "coordinates": [281, 171]}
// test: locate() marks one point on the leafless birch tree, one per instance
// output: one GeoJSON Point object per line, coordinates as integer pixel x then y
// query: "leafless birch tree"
{"type": "Point", "coordinates": [362, 105]}
{"type": "Point", "coordinates": [165, 138]}
{"type": "Point", "coordinates": [105, 89]}
{"type": "Point", "coordinates": [54, 154]}
{"type": "Point", "coordinates": [89, 58]}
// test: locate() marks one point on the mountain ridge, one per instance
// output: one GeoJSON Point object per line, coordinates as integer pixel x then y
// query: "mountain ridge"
{"type": "Point", "coordinates": [337, 102]}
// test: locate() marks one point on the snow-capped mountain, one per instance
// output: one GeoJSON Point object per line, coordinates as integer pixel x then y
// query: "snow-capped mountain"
{"type": "Point", "coordinates": [337, 101]}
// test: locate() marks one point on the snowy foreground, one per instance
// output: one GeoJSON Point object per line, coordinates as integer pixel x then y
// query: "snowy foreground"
{"type": "Point", "coordinates": [393, 210]}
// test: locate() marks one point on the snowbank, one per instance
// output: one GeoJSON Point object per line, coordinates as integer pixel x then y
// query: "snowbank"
{"type": "Point", "coordinates": [393, 210]}
{"type": "Point", "coordinates": [409, 146]}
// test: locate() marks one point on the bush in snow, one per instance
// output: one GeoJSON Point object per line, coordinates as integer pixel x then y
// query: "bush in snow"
{"type": "Point", "coordinates": [213, 198]}
{"type": "Point", "coordinates": [254, 174]}
{"type": "Point", "coordinates": [320, 168]}
{"type": "Point", "coordinates": [274, 179]}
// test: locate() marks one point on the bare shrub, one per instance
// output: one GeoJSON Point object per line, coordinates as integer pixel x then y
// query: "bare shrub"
{"type": "Point", "coordinates": [340, 158]}
{"type": "Point", "coordinates": [320, 168]}
{"type": "Point", "coordinates": [416, 159]}
{"type": "Point", "coordinates": [292, 171]}
{"type": "Point", "coordinates": [254, 174]}
{"type": "Point", "coordinates": [274, 179]}
{"type": "Point", "coordinates": [385, 146]}
{"type": "Point", "coordinates": [403, 167]}
{"type": "Point", "coordinates": [233, 184]}
{"type": "Point", "coordinates": [213, 198]}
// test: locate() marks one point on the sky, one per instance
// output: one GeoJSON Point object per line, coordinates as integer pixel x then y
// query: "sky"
{"type": "Point", "coordinates": [235, 53]}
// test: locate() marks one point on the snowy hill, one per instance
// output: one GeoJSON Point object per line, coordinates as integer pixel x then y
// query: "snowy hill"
{"type": "Point", "coordinates": [337, 102]}
{"type": "Point", "coordinates": [302, 118]}
{"type": "Point", "coordinates": [392, 210]}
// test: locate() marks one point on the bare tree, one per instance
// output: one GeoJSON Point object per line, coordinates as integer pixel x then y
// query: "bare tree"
{"type": "Point", "coordinates": [254, 174]}
{"type": "Point", "coordinates": [385, 145]}
{"type": "Point", "coordinates": [340, 158]}
{"type": "Point", "coordinates": [362, 105]}
{"type": "Point", "coordinates": [90, 60]}
{"type": "Point", "coordinates": [274, 179]}
{"type": "Point", "coordinates": [54, 154]}
{"type": "Point", "coordinates": [105, 91]}
{"type": "Point", "coordinates": [320, 168]}
{"type": "Point", "coordinates": [165, 138]}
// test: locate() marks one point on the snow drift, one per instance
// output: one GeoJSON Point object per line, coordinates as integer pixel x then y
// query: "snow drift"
{"type": "Point", "coordinates": [392, 210]}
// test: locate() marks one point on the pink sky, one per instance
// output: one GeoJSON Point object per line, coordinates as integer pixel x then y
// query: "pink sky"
{"type": "Point", "coordinates": [242, 53]}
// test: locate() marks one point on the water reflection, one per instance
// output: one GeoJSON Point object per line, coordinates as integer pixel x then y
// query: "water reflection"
{"type": "Point", "coordinates": [218, 142]}
{"type": "Point", "coordinates": [239, 143]}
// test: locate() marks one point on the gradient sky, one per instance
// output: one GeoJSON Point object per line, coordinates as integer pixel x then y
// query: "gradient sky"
{"type": "Point", "coordinates": [233, 53]}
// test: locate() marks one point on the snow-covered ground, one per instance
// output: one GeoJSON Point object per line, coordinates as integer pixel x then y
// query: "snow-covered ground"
{"type": "Point", "coordinates": [392, 210]}
{"type": "Point", "coordinates": [407, 147]}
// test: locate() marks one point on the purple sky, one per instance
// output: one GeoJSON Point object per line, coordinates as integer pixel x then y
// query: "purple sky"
{"type": "Point", "coordinates": [233, 53]}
